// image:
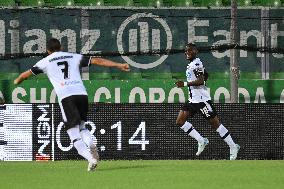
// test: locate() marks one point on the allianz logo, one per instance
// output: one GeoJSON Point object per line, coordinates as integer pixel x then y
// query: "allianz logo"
{"type": "Point", "coordinates": [144, 32]}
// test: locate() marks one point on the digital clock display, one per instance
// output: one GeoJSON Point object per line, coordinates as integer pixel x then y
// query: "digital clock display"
{"type": "Point", "coordinates": [114, 136]}
{"type": "Point", "coordinates": [139, 131]}
{"type": "Point", "coordinates": [120, 131]}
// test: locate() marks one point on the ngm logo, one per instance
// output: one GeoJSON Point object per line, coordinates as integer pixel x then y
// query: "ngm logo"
{"type": "Point", "coordinates": [145, 33]}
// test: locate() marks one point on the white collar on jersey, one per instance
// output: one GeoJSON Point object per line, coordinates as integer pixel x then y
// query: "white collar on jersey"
{"type": "Point", "coordinates": [194, 60]}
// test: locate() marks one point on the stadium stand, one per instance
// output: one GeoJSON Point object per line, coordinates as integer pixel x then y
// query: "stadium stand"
{"type": "Point", "coordinates": [146, 3]}
{"type": "Point", "coordinates": [182, 3]}
{"type": "Point", "coordinates": [244, 3]}
{"type": "Point", "coordinates": [59, 3]}
{"type": "Point", "coordinates": [33, 3]}
{"type": "Point", "coordinates": [270, 3]}
{"type": "Point", "coordinates": [10, 68]}
{"type": "Point", "coordinates": [117, 2]}
{"type": "Point", "coordinates": [88, 2]}
{"type": "Point", "coordinates": [7, 3]}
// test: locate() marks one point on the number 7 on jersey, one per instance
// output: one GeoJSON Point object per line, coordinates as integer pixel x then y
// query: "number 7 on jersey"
{"type": "Point", "coordinates": [65, 69]}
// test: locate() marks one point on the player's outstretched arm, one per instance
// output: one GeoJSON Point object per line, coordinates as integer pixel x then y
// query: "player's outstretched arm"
{"type": "Point", "coordinates": [109, 63]}
{"type": "Point", "coordinates": [197, 82]}
{"type": "Point", "coordinates": [23, 76]}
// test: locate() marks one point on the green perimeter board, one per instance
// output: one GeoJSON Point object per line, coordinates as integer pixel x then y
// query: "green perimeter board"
{"type": "Point", "coordinates": [145, 91]}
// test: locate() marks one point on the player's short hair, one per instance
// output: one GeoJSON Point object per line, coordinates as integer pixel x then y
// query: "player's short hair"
{"type": "Point", "coordinates": [53, 45]}
{"type": "Point", "coordinates": [190, 45]}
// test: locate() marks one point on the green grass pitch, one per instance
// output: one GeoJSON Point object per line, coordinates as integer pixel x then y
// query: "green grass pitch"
{"type": "Point", "coordinates": [143, 174]}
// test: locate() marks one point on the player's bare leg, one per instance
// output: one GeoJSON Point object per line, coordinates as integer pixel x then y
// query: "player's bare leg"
{"type": "Point", "coordinates": [225, 135]}
{"type": "Point", "coordinates": [190, 130]}
{"type": "Point", "coordinates": [87, 138]}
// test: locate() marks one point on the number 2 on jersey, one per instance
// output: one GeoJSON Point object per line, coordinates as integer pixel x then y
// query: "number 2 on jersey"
{"type": "Point", "coordinates": [65, 69]}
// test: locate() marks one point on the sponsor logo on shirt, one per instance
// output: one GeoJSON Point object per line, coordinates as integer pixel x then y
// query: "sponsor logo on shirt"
{"type": "Point", "coordinates": [67, 83]}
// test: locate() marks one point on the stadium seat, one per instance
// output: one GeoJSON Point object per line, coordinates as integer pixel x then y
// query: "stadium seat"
{"type": "Point", "coordinates": [244, 3]}
{"type": "Point", "coordinates": [277, 3]}
{"type": "Point", "coordinates": [211, 3]}
{"type": "Point", "coordinates": [257, 2]}
{"type": "Point", "coordinates": [88, 2]}
{"type": "Point", "coordinates": [84, 2]}
{"type": "Point", "coordinates": [226, 3]}
{"type": "Point", "coordinates": [153, 3]}
{"type": "Point", "coordinates": [31, 3]}
{"type": "Point", "coordinates": [7, 3]}
{"type": "Point", "coordinates": [53, 3]}
{"type": "Point", "coordinates": [183, 3]}
{"type": "Point", "coordinates": [117, 2]}
{"type": "Point", "coordinates": [147, 3]}
{"type": "Point", "coordinates": [198, 3]}
{"type": "Point", "coordinates": [271, 3]}
{"type": "Point", "coordinates": [168, 3]}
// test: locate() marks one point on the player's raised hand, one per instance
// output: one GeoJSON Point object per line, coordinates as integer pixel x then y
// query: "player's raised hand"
{"type": "Point", "coordinates": [179, 84]}
{"type": "Point", "coordinates": [23, 76]}
{"type": "Point", "coordinates": [16, 81]}
{"type": "Point", "coordinates": [124, 67]}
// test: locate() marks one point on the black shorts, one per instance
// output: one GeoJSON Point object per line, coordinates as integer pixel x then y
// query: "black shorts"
{"type": "Point", "coordinates": [205, 108]}
{"type": "Point", "coordinates": [74, 109]}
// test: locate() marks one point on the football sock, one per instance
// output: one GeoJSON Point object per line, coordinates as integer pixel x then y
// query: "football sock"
{"type": "Point", "coordinates": [82, 149]}
{"type": "Point", "coordinates": [225, 135]}
{"type": "Point", "coordinates": [85, 134]}
{"type": "Point", "coordinates": [190, 130]}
